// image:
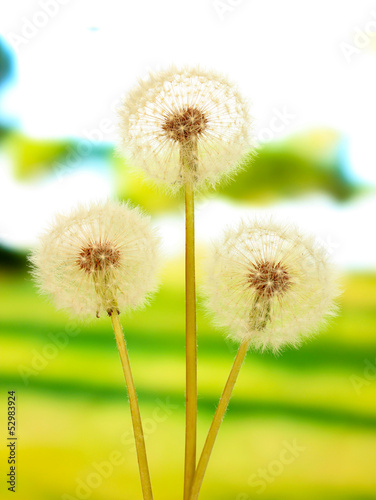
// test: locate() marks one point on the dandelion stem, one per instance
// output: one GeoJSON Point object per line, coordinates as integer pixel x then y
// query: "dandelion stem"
{"type": "Point", "coordinates": [135, 410]}
{"type": "Point", "coordinates": [217, 420]}
{"type": "Point", "coordinates": [191, 342]}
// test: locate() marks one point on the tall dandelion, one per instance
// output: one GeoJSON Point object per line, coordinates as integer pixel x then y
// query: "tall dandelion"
{"type": "Point", "coordinates": [269, 286]}
{"type": "Point", "coordinates": [186, 127]}
{"type": "Point", "coordinates": [102, 260]}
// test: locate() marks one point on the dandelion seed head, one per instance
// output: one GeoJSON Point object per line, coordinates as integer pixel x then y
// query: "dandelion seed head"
{"type": "Point", "coordinates": [185, 125]}
{"type": "Point", "coordinates": [270, 284]}
{"type": "Point", "coordinates": [97, 259]}
{"type": "Point", "coordinates": [100, 257]}
{"type": "Point", "coordinates": [185, 116]}
{"type": "Point", "coordinates": [269, 278]}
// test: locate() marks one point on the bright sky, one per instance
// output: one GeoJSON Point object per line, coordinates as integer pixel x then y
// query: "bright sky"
{"type": "Point", "coordinates": [313, 61]}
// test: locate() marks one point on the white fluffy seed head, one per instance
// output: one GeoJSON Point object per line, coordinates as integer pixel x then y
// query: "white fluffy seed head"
{"type": "Point", "coordinates": [98, 259]}
{"type": "Point", "coordinates": [270, 284]}
{"type": "Point", "coordinates": [185, 124]}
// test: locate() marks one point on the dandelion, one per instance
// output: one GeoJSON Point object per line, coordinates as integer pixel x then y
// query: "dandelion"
{"type": "Point", "coordinates": [185, 125]}
{"type": "Point", "coordinates": [102, 260]}
{"type": "Point", "coordinates": [98, 259]}
{"type": "Point", "coordinates": [271, 286]}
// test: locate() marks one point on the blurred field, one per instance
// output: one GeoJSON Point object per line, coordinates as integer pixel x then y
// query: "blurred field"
{"type": "Point", "coordinates": [73, 412]}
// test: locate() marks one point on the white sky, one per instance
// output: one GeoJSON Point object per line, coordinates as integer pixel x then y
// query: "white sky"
{"type": "Point", "coordinates": [81, 56]}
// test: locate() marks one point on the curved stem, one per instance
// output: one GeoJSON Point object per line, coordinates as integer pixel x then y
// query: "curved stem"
{"type": "Point", "coordinates": [191, 342]}
{"type": "Point", "coordinates": [217, 420]}
{"type": "Point", "coordinates": [135, 411]}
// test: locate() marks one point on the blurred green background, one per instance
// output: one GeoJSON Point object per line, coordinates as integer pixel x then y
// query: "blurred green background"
{"type": "Point", "coordinates": [300, 425]}
{"type": "Point", "coordinates": [73, 412]}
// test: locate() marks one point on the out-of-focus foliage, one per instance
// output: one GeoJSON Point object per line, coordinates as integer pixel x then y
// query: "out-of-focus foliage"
{"type": "Point", "coordinates": [132, 185]}
{"type": "Point", "coordinates": [309, 163]}
{"type": "Point", "coordinates": [6, 71]}
{"type": "Point", "coordinates": [6, 63]}
{"type": "Point", "coordinates": [12, 261]}
{"type": "Point", "coordinates": [306, 163]}
{"type": "Point", "coordinates": [32, 156]}
{"type": "Point", "coordinates": [73, 409]}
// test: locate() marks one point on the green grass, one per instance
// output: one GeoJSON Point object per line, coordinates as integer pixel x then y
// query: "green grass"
{"type": "Point", "coordinates": [73, 412]}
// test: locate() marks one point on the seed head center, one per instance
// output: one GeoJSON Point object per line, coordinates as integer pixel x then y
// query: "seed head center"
{"type": "Point", "coordinates": [269, 278]}
{"type": "Point", "coordinates": [98, 257]}
{"type": "Point", "coordinates": [185, 124]}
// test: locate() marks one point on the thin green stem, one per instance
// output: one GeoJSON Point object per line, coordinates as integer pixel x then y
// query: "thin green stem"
{"type": "Point", "coordinates": [191, 342]}
{"type": "Point", "coordinates": [135, 410]}
{"type": "Point", "coordinates": [217, 420]}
